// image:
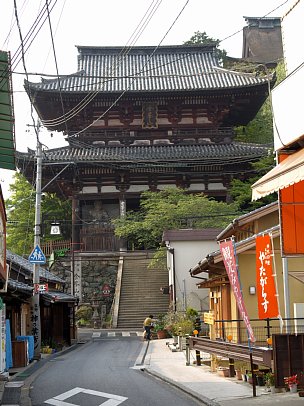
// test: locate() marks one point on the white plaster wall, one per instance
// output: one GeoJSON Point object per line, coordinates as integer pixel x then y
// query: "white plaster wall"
{"type": "Point", "coordinates": [186, 255]}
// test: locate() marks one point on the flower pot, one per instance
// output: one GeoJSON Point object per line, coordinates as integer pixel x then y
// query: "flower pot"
{"type": "Point", "coordinates": [293, 388]}
{"type": "Point", "coordinates": [161, 334]}
{"type": "Point", "coordinates": [222, 371]}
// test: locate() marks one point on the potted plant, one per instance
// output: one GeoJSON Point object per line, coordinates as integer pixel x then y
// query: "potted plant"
{"type": "Point", "coordinates": [159, 327]}
{"type": "Point", "coordinates": [270, 381]}
{"type": "Point", "coordinates": [292, 383]}
{"type": "Point", "coordinates": [240, 370]}
{"type": "Point", "coordinates": [260, 378]}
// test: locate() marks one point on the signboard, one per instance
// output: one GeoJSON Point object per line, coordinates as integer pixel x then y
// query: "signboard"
{"type": "Point", "coordinates": [266, 289]}
{"type": "Point", "coordinates": [209, 318]}
{"type": "Point", "coordinates": [106, 290]}
{"type": "Point", "coordinates": [41, 287]}
{"type": "Point", "coordinates": [227, 251]}
{"type": "Point", "coordinates": [7, 131]}
{"type": "Point", "coordinates": [3, 265]}
{"type": "Point", "coordinates": [37, 256]}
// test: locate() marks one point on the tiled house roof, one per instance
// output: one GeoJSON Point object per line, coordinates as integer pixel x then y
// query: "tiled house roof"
{"type": "Point", "coordinates": [209, 154]}
{"type": "Point", "coordinates": [148, 69]}
{"type": "Point", "coordinates": [26, 266]}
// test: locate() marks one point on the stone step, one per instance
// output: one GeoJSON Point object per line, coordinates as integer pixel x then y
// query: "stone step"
{"type": "Point", "coordinates": [140, 293]}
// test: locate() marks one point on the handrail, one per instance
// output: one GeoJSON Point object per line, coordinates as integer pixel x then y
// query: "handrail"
{"type": "Point", "coordinates": [260, 355]}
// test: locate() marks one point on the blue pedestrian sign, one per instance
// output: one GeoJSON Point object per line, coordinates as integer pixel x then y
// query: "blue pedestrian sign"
{"type": "Point", "coordinates": [37, 256]}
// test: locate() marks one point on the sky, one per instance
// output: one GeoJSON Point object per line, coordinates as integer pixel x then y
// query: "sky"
{"type": "Point", "coordinates": [110, 23]}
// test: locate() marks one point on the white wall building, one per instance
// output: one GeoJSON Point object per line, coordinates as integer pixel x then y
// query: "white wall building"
{"type": "Point", "coordinates": [185, 248]}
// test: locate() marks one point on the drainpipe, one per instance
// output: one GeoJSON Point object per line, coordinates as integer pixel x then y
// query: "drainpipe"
{"type": "Point", "coordinates": [286, 293]}
{"type": "Point", "coordinates": [171, 250]}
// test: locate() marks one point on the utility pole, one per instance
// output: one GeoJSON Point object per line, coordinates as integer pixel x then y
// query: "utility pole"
{"type": "Point", "coordinates": [35, 304]}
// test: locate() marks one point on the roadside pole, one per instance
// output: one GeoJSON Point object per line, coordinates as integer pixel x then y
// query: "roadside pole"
{"type": "Point", "coordinates": [35, 305]}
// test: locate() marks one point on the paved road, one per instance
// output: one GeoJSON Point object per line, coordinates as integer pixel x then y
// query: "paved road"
{"type": "Point", "coordinates": [103, 372]}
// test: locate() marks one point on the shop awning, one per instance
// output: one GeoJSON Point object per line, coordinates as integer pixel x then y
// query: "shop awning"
{"type": "Point", "coordinates": [288, 172]}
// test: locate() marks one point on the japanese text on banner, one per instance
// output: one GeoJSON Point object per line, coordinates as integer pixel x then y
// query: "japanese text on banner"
{"type": "Point", "coordinates": [227, 251]}
{"type": "Point", "coordinates": [266, 288]}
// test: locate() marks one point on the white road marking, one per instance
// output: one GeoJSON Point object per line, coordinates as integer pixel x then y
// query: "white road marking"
{"type": "Point", "coordinates": [113, 400]}
{"type": "Point", "coordinates": [97, 334]}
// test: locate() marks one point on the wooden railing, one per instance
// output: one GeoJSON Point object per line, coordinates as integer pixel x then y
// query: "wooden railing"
{"type": "Point", "coordinates": [51, 246]}
{"type": "Point", "coordinates": [99, 238]}
{"type": "Point", "coordinates": [230, 350]}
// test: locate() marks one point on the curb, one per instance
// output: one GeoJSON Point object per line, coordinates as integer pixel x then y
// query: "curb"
{"type": "Point", "coordinates": [195, 395]}
{"type": "Point", "coordinates": [25, 399]}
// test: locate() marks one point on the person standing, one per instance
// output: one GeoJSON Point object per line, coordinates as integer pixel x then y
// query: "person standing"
{"type": "Point", "coordinates": [147, 326]}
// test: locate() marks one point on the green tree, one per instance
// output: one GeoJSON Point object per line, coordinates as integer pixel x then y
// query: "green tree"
{"type": "Point", "coordinates": [202, 38]}
{"type": "Point", "coordinates": [169, 209]}
{"type": "Point", "coordinates": [20, 208]}
{"type": "Point", "coordinates": [260, 129]}
{"type": "Point", "coordinates": [241, 190]}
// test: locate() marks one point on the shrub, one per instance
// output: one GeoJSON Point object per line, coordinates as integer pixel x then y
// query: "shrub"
{"type": "Point", "coordinates": [84, 315]}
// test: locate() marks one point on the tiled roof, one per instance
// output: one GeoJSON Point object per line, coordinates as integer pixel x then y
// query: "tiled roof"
{"type": "Point", "coordinates": [19, 287]}
{"type": "Point", "coordinates": [141, 69]}
{"type": "Point", "coordinates": [27, 266]}
{"type": "Point", "coordinates": [191, 234]}
{"type": "Point", "coordinates": [173, 155]}
{"type": "Point", "coordinates": [56, 296]}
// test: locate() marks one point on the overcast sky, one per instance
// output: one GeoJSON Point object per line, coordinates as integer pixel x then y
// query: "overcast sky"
{"type": "Point", "coordinates": [102, 22]}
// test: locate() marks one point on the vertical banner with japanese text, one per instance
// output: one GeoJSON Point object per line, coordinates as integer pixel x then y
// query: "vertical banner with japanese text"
{"type": "Point", "coordinates": [227, 251]}
{"type": "Point", "coordinates": [266, 287]}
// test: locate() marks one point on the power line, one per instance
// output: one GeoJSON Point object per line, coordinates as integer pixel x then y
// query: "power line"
{"type": "Point", "coordinates": [118, 60]}
{"type": "Point", "coordinates": [57, 121]}
{"type": "Point", "coordinates": [33, 32]}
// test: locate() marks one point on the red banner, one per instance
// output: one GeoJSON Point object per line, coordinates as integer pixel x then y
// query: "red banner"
{"type": "Point", "coordinates": [266, 288]}
{"type": "Point", "coordinates": [227, 251]}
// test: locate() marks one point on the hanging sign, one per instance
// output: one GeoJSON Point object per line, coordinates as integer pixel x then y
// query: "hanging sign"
{"type": "Point", "coordinates": [266, 288]}
{"type": "Point", "coordinates": [41, 288]}
{"type": "Point", "coordinates": [227, 251]}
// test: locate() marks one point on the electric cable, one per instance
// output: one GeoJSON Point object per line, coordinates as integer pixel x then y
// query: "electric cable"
{"type": "Point", "coordinates": [58, 122]}
{"type": "Point", "coordinates": [118, 60]}
{"type": "Point", "coordinates": [22, 49]}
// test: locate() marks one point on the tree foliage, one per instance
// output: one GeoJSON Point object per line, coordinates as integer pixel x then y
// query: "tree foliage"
{"type": "Point", "coordinates": [201, 38]}
{"type": "Point", "coordinates": [20, 208]}
{"type": "Point", "coordinates": [260, 129]}
{"type": "Point", "coordinates": [241, 190]}
{"type": "Point", "coordinates": [170, 209]}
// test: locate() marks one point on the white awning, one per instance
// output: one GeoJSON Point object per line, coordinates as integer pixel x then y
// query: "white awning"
{"type": "Point", "coordinates": [288, 172]}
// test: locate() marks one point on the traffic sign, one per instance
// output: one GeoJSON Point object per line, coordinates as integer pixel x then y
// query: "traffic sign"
{"type": "Point", "coordinates": [37, 256]}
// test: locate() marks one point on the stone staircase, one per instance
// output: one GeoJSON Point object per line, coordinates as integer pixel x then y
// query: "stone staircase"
{"type": "Point", "coordinates": [140, 292]}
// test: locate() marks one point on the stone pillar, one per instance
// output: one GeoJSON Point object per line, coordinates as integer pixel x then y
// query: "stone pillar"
{"type": "Point", "coordinates": [77, 279]}
{"type": "Point", "coordinates": [122, 214]}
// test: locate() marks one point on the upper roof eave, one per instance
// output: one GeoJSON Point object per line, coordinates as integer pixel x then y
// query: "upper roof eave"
{"type": "Point", "coordinates": [248, 217]}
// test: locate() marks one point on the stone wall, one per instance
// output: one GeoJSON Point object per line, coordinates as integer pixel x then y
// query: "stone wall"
{"type": "Point", "coordinates": [98, 281]}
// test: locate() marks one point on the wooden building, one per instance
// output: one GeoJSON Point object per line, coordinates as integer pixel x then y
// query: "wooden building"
{"type": "Point", "coordinates": [142, 119]}
{"type": "Point", "coordinates": [56, 306]}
